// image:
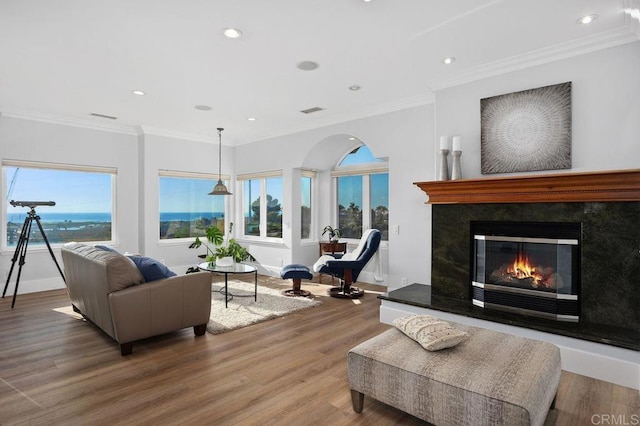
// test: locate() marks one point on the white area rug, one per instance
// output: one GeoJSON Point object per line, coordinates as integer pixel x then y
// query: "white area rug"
{"type": "Point", "coordinates": [244, 311]}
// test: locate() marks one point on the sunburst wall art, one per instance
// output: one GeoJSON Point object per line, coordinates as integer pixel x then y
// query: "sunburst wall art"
{"type": "Point", "coordinates": [526, 131]}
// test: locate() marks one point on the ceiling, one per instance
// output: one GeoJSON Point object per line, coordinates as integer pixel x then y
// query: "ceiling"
{"type": "Point", "coordinates": [65, 60]}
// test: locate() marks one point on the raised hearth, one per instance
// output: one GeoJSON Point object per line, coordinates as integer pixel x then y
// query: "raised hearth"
{"type": "Point", "coordinates": [420, 295]}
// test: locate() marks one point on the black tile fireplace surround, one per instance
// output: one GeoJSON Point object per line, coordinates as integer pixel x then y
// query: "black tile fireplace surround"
{"type": "Point", "coordinates": [610, 267]}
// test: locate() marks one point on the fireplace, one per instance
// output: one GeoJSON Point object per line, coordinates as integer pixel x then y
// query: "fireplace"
{"type": "Point", "coordinates": [529, 268]}
{"type": "Point", "coordinates": [607, 207]}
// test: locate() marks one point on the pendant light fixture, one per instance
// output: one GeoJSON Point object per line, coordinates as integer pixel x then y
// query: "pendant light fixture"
{"type": "Point", "coordinates": [220, 189]}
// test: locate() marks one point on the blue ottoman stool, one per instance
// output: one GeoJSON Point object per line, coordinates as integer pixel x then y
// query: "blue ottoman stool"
{"type": "Point", "coordinates": [296, 272]}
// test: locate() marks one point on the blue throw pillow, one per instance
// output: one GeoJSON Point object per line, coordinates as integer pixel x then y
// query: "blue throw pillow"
{"type": "Point", "coordinates": [106, 248]}
{"type": "Point", "coordinates": [151, 269]}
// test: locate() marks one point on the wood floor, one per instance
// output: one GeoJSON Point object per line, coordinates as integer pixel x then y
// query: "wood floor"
{"type": "Point", "coordinates": [55, 368]}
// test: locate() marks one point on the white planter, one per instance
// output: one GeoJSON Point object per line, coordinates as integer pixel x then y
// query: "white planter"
{"type": "Point", "coordinates": [224, 261]}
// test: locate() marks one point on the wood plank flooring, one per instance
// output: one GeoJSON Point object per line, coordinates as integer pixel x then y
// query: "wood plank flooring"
{"type": "Point", "coordinates": [57, 369]}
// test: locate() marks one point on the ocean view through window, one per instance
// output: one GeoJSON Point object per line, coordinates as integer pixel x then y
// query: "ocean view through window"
{"type": "Point", "coordinates": [185, 208]}
{"type": "Point", "coordinates": [83, 197]}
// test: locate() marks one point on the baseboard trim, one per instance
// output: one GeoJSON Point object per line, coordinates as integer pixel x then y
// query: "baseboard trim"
{"type": "Point", "coordinates": [34, 286]}
{"type": "Point", "coordinates": [603, 362]}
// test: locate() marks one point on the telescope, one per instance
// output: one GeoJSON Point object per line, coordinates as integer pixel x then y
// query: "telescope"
{"type": "Point", "coordinates": [21, 248]}
{"type": "Point", "coordinates": [31, 204]}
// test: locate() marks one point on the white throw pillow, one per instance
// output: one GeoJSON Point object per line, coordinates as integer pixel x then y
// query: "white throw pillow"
{"type": "Point", "coordinates": [430, 332]}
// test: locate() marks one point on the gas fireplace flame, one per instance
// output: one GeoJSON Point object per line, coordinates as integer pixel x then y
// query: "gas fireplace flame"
{"type": "Point", "coordinates": [523, 269]}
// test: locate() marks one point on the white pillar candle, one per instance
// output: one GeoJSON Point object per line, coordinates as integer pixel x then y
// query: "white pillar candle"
{"type": "Point", "coordinates": [444, 144]}
{"type": "Point", "coordinates": [456, 143]}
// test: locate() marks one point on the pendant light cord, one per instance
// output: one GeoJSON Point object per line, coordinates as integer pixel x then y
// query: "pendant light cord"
{"type": "Point", "coordinates": [220, 129]}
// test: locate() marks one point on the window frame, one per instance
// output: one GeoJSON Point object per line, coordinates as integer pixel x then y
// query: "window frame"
{"type": "Point", "coordinates": [310, 174]}
{"type": "Point", "coordinates": [262, 178]}
{"type": "Point", "coordinates": [213, 177]}
{"type": "Point", "coordinates": [111, 171]}
{"type": "Point", "coordinates": [365, 170]}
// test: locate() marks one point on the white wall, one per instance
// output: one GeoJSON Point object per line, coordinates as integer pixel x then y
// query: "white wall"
{"type": "Point", "coordinates": [29, 140]}
{"type": "Point", "coordinates": [166, 153]}
{"type": "Point", "coordinates": [605, 108]}
{"type": "Point", "coordinates": [405, 138]}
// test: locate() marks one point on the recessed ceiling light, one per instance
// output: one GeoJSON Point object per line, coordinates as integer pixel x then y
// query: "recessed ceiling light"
{"type": "Point", "coordinates": [366, 1]}
{"type": "Point", "coordinates": [587, 19]}
{"type": "Point", "coordinates": [352, 138]}
{"type": "Point", "coordinates": [448, 60]}
{"type": "Point", "coordinates": [203, 107]}
{"type": "Point", "coordinates": [251, 119]}
{"type": "Point", "coordinates": [138, 92]}
{"type": "Point", "coordinates": [354, 88]}
{"type": "Point", "coordinates": [307, 65]}
{"type": "Point", "coordinates": [232, 32]}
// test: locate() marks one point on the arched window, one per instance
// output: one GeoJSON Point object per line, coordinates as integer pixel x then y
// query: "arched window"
{"type": "Point", "coordinates": [362, 188]}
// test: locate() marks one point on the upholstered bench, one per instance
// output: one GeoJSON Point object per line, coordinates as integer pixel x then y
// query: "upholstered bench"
{"type": "Point", "coordinates": [491, 378]}
{"type": "Point", "coordinates": [297, 273]}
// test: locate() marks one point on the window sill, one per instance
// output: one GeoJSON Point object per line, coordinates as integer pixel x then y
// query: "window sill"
{"type": "Point", "coordinates": [262, 242]}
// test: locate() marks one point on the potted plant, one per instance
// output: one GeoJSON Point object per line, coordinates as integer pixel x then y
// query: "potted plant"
{"type": "Point", "coordinates": [235, 251]}
{"type": "Point", "coordinates": [334, 233]}
{"type": "Point", "coordinates": [215, 237]}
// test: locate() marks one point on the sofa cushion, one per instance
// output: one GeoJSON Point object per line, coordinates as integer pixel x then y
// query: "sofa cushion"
{"type": "Point", "coordinates": [106, 248]}
{"type": "Point", "coordinates": [121, 272]}
{"type": "Point", "coordinates": [151, 269]}
{"type": "Point", "coordinates": [430, 332]}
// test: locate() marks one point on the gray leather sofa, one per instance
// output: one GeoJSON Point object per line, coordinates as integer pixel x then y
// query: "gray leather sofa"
{"type": "Point", "coordinates": [108, 289]}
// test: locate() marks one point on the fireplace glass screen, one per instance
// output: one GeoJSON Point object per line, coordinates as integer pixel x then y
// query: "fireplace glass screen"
{"type": "Point", "coordinates": [534, 264]}
{"type": "Point", "coordinates": [527, 268]}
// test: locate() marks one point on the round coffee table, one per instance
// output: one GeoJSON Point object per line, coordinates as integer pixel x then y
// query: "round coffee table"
{"type": "Point", "coordinates": [236, 268]}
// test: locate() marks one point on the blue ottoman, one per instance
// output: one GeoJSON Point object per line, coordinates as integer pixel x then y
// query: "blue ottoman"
{"type": "Point", "coordinates": [296, 272]}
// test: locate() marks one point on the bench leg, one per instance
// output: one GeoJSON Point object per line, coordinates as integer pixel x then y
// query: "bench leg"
{"type": "Point", "coordinates": [357, 399]}
{"type": "Point", "coordinates": [199, 330]}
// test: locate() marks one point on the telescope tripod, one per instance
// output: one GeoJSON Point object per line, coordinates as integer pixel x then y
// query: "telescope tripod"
{"type": "Point", "coordinates": [21, 251]}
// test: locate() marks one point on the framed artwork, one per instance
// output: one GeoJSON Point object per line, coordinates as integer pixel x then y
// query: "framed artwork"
{"type": "Point", "coordinates": [526, 131]}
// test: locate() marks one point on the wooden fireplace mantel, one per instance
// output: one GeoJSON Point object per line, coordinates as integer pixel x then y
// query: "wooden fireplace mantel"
{"type": "Point", "coordinates": [619, 185]}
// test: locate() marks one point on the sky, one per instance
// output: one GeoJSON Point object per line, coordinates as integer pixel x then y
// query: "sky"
{"type": "Point", "coordinates": [350, 187]}
{"type": "Point", "coordinates": [186, 194]}
{"type": "Point", "coordinates": [90, 192]}
{"type": "Point", "coordinates": [73, 192]}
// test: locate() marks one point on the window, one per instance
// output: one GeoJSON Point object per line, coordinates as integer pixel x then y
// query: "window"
{"type": "Point", "coordinates": [350, 206]}
{"type": "Point", "coordinates": [306, 217]}
{"type": "Point", "coordinates": [362, 187]}
{"type": "Point", "coordinates": [185, 206]}
{"type": "Point", "coordinates": [379, 201]}
{"type": "Point", "coordinates": [261, 206]}
{"type": "Point", "coordinates": [83, 199]}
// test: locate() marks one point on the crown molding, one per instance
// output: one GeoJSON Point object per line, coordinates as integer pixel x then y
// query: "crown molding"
{"type": "Point", "coordinates": [158, 131]}
{"type": "Point", "coordinates": [604, 40]}
{"type": "Point", "coordinates": [68, 121]}
{"type": "Point", "coordinates": [133, 130]}
{"type": "Point", "coordinates": [337, 118]}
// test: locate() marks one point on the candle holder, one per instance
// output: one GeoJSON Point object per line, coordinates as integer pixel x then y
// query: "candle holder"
{"type": "Point", "coordinates": [456, 172]}
{"type": "Point", "coordinates": [444, 166]}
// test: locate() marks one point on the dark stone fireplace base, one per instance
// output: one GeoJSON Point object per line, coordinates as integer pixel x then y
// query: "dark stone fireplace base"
{"type": "Point", "coordinates": [421, 295]}
{"type": "Point", "coordinates": [610, 257]}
